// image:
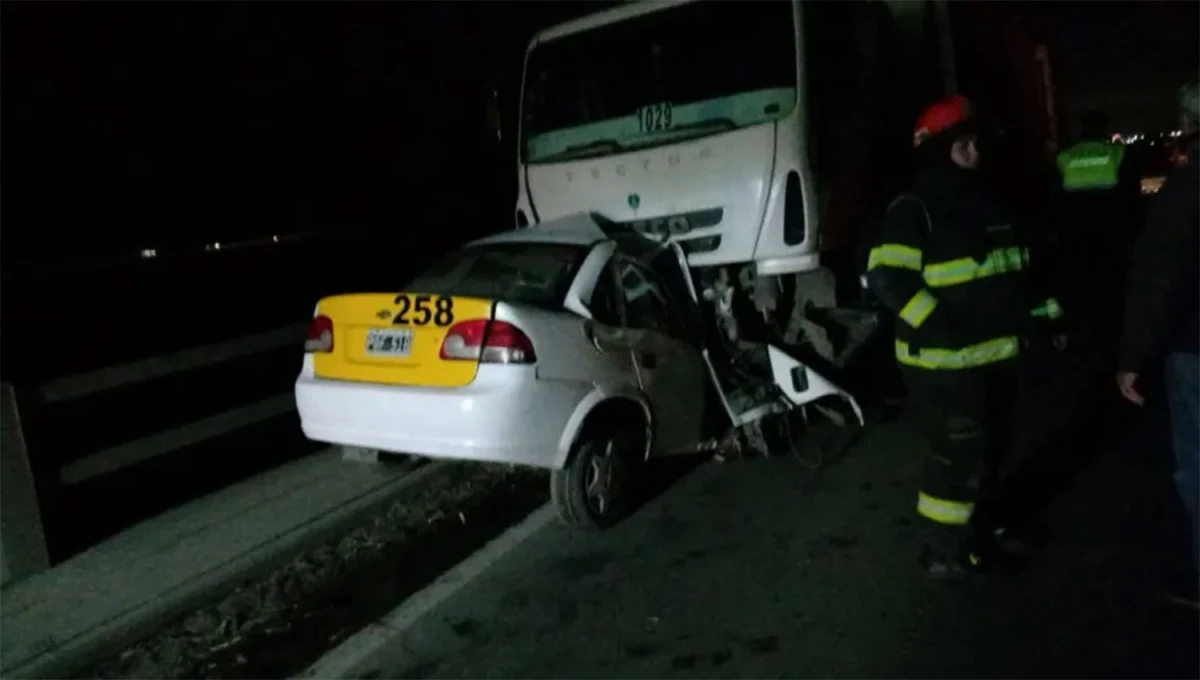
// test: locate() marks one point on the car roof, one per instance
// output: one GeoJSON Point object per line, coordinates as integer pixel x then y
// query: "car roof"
{"type": "Point", "coordinates": [581, 229]}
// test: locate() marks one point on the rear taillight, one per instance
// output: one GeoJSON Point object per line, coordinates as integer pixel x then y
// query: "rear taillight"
{"type": "Point", "coordinates": [495, 342]}
{"type": "Point", "coordinates": [320, 335]}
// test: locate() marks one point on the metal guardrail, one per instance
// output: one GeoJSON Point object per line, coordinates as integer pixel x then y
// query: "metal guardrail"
{"type": "Point", "coordinates": [123, 455]}
{"type": "Point", "coordinates": [21, 517]}
{"type": "Point", "coordinates": [156, 444]}
{"type": "Point", "coordinates": [75, 386]}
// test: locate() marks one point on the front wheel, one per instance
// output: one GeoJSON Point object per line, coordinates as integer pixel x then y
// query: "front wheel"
{"type": "Point", "coordinates": [598, 486]}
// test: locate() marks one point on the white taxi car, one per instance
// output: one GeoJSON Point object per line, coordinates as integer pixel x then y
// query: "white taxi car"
{"type": "Point", "coordinates": [559, 347]}
{"type": "Point", "coordinates": [544, 347]}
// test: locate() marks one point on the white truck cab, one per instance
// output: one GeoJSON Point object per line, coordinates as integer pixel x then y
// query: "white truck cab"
{"type": "Point", "coordinates": [650, 114]}
{"type": "Point", "coordinates": [688, 121]}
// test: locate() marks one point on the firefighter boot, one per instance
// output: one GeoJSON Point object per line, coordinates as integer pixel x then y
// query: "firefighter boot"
{"type": "Point", "coordinates": [953, 553]}
{"type": "Point", "coordinates": [1013, 533]}
{"type": "Point", "coordinates": [943, 550]}
{"type": "Point", "coordinates": [1020, 538]}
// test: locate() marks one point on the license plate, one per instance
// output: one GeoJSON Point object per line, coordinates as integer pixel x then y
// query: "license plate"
{"type": "Point", "coordinates": [389, 342]}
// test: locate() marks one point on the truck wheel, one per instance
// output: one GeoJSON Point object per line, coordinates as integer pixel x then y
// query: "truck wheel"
{"type": "Point", "coordinates": [598, 486]}
{"type": "Point", "coordinates": [753, 441]}
{"type": "Point", "coordinates": [773, 435]}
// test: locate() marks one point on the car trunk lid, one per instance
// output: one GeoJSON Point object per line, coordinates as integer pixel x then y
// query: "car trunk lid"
{"type": "Point", "coordinates": [396, 338]}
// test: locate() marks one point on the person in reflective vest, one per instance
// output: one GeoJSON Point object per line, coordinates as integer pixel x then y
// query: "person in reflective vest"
{"type": "Point", "coordinates": [948, 261]}
{"type": "Point", "coordinates": [1100, 202]}
{"type": "Point", "coordinates": [1094, 162]}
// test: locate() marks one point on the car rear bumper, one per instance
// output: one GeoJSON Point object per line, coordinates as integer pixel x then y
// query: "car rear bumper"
{"type": "Point", "coordinates": [506, 415]}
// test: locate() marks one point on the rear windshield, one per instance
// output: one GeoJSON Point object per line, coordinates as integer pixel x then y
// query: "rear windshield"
{"type": "Point", "coordinates": [536, 274]}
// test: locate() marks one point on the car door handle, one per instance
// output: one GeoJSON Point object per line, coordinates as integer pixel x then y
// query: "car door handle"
{"type": "Point", "coordinates": [649, 359]}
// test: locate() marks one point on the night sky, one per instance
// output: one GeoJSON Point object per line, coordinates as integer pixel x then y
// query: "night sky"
{"type": "Point", "coordinates": [146, 124]}
{"type": "Point", "coordinates": [1127, 58]}
{"type": "Point", "coordinates": [130, 125]}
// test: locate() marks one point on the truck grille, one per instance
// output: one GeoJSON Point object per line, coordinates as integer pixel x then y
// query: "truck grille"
{"type": "Point", "coordinates": [679, 224]}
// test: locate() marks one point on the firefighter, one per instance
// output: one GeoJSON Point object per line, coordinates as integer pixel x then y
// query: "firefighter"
{"type": "Point", "coordinates": [947, 262]}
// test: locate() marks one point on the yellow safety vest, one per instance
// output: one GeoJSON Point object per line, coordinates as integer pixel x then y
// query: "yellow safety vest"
{"type": "Point", "coordinates": [1090, 166]}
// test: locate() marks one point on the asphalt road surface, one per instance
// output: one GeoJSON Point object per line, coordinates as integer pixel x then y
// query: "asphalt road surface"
{"type": "Point", "coordinates": [754, 569]}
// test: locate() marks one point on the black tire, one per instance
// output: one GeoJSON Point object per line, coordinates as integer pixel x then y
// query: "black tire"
{"type": "Point", "coordinates": [573, 489]}
{"type": "Point", "coordinates": [778, 434]}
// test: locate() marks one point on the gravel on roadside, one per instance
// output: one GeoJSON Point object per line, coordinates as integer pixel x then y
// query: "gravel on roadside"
{"type": "Point", "coordinates": [276, 626]}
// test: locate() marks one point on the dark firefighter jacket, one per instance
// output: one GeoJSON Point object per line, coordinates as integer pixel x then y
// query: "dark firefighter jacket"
{"type": "Point", "coordinates": [951, 267]}
{"type": "Point", "coordinates": [1162, 304]}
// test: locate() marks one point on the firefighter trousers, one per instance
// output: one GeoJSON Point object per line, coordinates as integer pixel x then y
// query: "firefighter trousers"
{"type": "Point", "coordinates": [968, 418]}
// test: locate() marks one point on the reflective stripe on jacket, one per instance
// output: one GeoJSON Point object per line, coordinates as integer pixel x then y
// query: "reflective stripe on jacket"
{"type": "Point", "coordinates": [954, 274]}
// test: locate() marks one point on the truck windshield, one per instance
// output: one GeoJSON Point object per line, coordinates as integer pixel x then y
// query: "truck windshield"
{"type": "Point", "coordinates": [694, 70]}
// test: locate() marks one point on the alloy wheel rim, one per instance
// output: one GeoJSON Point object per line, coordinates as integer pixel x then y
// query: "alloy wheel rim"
{"type": "Point", "coordinates": [603, 479]}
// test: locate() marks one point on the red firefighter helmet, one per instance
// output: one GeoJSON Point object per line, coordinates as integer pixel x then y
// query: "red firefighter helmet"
{"type": "Point", "coordinates": [942, 115]}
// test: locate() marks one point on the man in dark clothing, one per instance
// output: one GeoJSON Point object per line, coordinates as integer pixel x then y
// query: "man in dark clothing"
{"type": "Point", "coordinates": [948, 263]}
{"type": "Point", "coordinates": [1162, 311]}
